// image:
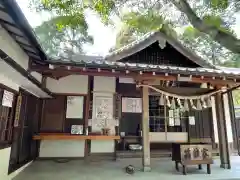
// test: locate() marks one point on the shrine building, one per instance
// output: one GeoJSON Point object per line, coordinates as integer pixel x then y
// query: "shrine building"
{"type": "Point", "coordinates": [142, 100]}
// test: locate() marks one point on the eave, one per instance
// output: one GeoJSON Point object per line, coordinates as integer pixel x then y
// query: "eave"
{"type": "Point", "coordinates": [60, 69]}
{"type": "Point", "coordinates": [15, 23]}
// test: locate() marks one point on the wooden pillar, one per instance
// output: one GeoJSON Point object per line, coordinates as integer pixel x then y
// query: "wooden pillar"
{"type": "Point", "coordinates": [233, 121]}
{"type": "Point", "coordinates": [145, 130]}
{"type": "Point", "coordinates": [222, 133]}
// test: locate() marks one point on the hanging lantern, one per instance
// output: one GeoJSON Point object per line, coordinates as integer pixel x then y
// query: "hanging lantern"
{"type": "Point", "coordinates": [168, 102]}
{"type": "Point", "coordinates": [173, 104]}
{"type": "Point", "coordinates": [199, 104]}
{"type": "Point", "coordinates": [161, 100]}
{"type": "Point", "coordinates": [192, 104]}
{"type": "Point", "coordinates": [186, 105]}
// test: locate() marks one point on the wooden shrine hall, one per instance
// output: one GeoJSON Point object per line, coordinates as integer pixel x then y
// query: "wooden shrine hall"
{"type": "Point", "coordinates": [144, 97]}
{"type": "Point", "coordinates": [151, 98]}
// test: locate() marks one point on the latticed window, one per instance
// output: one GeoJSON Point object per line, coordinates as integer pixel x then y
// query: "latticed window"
{"type": "Point", "coordinates": [6, 115]}
{"type": "Point", "coordinates": [164, 119]}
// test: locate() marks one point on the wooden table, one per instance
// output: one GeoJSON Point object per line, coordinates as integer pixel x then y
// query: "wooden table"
{"type": "Point", "coordinates": [63, 136]}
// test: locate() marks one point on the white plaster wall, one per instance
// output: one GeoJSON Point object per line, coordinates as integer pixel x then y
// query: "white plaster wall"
{"type": "Point", "coordinates": [10, 47]}
{"type": "Point", "coordinates": [228, 118]}
{"type": "Point", "coordinates": [65, 148]}
{"type": "Point", "coordinates": [69, 84]}
{"type": "Point", "coordinates": [37, 75]}
{"type": "Point", "coordinates": [4, 163]}
{"type": "Point", "coordinates": [8, 82]}
{"type": "Point", "coordinates": [168, 137]}
{"type": "Point", "coordinates": [61, 148]}
{"type": "Point", "coordinates": [103, 86]}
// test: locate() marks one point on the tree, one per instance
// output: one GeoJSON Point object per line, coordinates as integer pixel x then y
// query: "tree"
{"type": "Point", "coordinates": [205, 46]}
{"type": "Point", "coordinates": [198, 13]}
{"type": "Point", "coordinates": [62, 42]}
{"type": "Point", "coordinates": [136, 24]}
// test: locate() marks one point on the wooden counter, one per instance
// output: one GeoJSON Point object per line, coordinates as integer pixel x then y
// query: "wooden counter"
{"type": "Point", "coordinates": [62, 136]}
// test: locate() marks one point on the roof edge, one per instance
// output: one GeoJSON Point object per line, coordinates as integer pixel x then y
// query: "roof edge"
{"type": "Point", "coordinates": [17, 14]}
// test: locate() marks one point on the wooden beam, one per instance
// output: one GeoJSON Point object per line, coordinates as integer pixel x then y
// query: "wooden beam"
{"type": "Point", "coordinates": [62, 136]}
{"type": "Point", "coordinates": [146, 76]}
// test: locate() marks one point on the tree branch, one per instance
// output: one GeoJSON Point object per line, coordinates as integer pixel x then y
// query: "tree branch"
{"type": "Point", "coordinates": [227, 40]}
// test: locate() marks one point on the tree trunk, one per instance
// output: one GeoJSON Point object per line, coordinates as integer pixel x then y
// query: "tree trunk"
{"type": "Point", "coordinates": [227, 40]}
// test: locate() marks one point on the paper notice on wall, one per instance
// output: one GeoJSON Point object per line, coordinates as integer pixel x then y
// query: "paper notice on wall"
{"type": "Point", "coordinates": [7, 99]}
{"type": "Point", "coordinates": [131, 105]}
{"type": "Point", "coordinates": [191, 120]}
{"type": "Point", "coordinates": [177, 117]}
{"type": "Point", "coordinates": [75, 107]}
{"type": "Point", "coordinates": [171, 118]}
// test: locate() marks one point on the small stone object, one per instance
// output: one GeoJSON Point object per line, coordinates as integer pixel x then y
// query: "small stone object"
{"type": "Point", "coordinates": [130, 169]}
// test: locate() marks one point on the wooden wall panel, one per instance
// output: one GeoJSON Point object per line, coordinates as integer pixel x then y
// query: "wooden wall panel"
{"type": "Point", "coordinates": [203, 127]}
{"type": "Point", "coordinates": [130, 123]}
{"type": "Point", "coordinates": [24, 149]}
{"type": "Point", "coordinates": [54, 112]}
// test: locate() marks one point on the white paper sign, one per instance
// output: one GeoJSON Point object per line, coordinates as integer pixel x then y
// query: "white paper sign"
{"type": "Point", "coordinates": [171, 118]}
{"type": "Point", "coordinates": [7, 98]}
{"type": "Point", "coordinates": [131, 105]}
{"type": "Point", "coordinates": [177, 117]}
{"type": "Point", "coordinates": [191, 120]}
{"type": "Point", "coordinates": [74, 107]}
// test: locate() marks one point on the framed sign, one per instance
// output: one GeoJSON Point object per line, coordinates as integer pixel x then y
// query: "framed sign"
{"type": "Point", "coordinates": [131, 105]}
{"type": "Point", "coordinates": [75, 107]}
{"type": "Point", "coordinates": [77, 129]}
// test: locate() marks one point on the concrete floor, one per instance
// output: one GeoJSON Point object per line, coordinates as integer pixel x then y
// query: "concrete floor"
{"type": "Point", "coordinates": [110, 170]}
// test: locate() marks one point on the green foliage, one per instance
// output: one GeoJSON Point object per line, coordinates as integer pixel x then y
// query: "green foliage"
{"type": "Point", "coordinates": [150, 15]}
{"type": "Point", "coordinates": [234, 61]}
{"type": "Point", "coordinates": [138, 23]}
{"type": "Point", "coordinates": [62, 41]}
{"type": "Point", "coordinates": [219, 4]}
{"type": "Point", "coordinates": [104, 8]}
{"type": "Point", "coordinates": [191, 32]}
{"type": "Point", "coordinates": [212, 20]}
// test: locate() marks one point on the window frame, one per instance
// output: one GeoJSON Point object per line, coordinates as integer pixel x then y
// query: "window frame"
{"type": "Point", "coordinates": [7, 140]}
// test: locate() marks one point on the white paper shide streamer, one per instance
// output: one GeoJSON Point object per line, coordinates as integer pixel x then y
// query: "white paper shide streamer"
{"type": "Point", "coordinates": [174, 101]}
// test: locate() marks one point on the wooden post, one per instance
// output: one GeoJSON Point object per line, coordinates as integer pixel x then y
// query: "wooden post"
{"type": "Point", "coordinates": [233, 121]}
{"type": "Point", "coordinates": [222, 133]}
{"type": "Point", "coordinates": [145, 130]}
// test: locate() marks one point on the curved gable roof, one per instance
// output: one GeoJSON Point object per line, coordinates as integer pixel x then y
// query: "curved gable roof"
{"type": "Point", "coordinates": [151, 38]}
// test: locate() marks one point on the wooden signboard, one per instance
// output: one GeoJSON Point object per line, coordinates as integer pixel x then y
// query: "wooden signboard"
{"type": "Point", "coordinates": [18, 110]}
{"type": "Point", "coordinates": [196, 154]}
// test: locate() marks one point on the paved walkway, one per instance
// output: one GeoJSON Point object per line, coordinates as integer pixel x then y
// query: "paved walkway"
{"type": "Point", "coordinates": [110, 170]}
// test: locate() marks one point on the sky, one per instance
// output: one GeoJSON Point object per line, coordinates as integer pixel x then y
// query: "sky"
{"type": "Point", "coordinates": [104, 37]}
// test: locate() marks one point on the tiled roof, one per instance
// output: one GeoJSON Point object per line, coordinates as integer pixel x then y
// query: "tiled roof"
{"type": "Point", "coordinates": [14, 22]}
{"type": "Point", "coordinates": [151, 68]}
{"type": "Point", "coordinates": [149, 39]}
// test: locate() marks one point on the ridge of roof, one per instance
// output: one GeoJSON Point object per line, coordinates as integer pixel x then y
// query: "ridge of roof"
{"type": "Point", "coordinates": [148, 39]}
